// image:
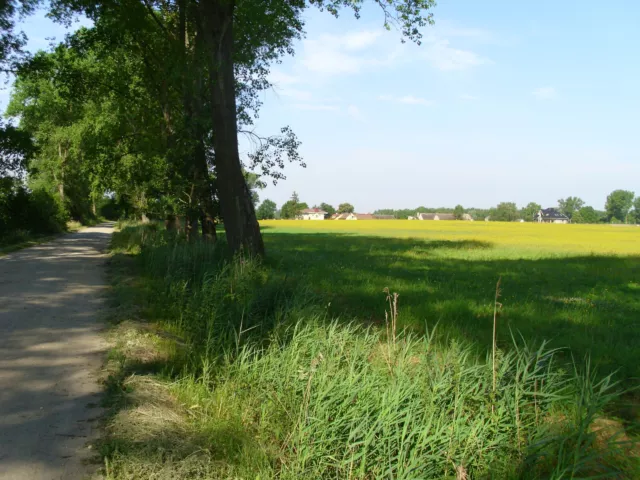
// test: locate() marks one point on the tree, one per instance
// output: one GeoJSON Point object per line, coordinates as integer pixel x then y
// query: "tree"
{"type": "Point", "coordinates": [291, 208]}
{"type": "Point", "coordinates": [570, 205]}
{"type": "Point", "coordinates": [636, 209]}
{"type": "Point", "coordinates": [618, 204]}
{"type": "Point", "coordinates": [529, 212]}
{"type": "Point", "coordinates": [266, 210]}
{"type": "Point", "coordinates": [214, 57]}
{"type": "Point", "coordinates": [345, 208]}
{"type": "Point", "coordinates": [505, 212]}
{"type": "Point", "coordinates": [16, 147]}
{"type": "Point", "coordinates": [585, 215]}
{"type": "Point", "coordinates": [458, 211]}
{"type": "Point", "coordinates": [327, 208]}
{"type": "Point", "coordinates": [254, 184]}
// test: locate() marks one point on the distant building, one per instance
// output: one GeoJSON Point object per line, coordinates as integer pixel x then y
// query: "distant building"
{"type": "Point", "coordinates": [360, 216]}
{"type": "Point", "coordinates": [435, 216]}
{"type": "Point", "coordinates": [551, 215]}
{"type": "Point", "coordinates": [466, 217]}
{"type": "Point", "coordinates": [311, 214]}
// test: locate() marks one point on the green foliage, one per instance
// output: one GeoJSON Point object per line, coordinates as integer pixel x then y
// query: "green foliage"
{"type": "Point", "coordinates": [15, 148]}
{"type": "Point", "coordinates": [570, 205]}
{"type": "Point", "coordinates": [31, 212]}
{"type": "Point", "coordinates": [291, 208]}
{"type": "Point", "coordinates": [618, 204]}
{"type": "Point", "coordinates": [286, 391]}
{"type": "Point", "coordinates": [458, 211]}
{"type": "Point", "coordinates": [505, 212]}
{"type": "Point", "coordinates": [345, 208]}
{"type": "Point", "coordinates": [529, 212]}
{"type": "Point", "coordinates": [586, 215]}
{"type": "Point", "coordinates": [636, 209]}
{"type": "Point", "coordinates": [266, 210]}
{"type": "Point", "coordinates": [327, 208]}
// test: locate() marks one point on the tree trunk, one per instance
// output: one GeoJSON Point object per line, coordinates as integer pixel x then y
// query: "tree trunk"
{"type": "Point", "coordinates": [238, 213]}
{"type": "Point", "coordinates": [62, 153]}
{"type": "Point", "coordinates": [172, 223]}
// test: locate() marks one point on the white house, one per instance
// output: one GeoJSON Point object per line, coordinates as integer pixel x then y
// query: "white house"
{"type": "Point", "coordinates": [551, 215]}
{"type": "Point", "coordinates": [311, 214]}
{"type": "Point", "coordinates": [436, 216]}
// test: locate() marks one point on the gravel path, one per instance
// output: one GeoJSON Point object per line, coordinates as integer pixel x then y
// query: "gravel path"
{"type": "Point", "coordinates": [50, 353]}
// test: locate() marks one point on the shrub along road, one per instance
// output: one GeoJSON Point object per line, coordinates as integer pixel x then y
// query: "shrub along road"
{"type": "Point", "coordinates": [50, 353]}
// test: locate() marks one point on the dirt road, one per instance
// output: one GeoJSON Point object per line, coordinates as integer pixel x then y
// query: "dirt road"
{"type": "Point", "coordinates": [50, 353]}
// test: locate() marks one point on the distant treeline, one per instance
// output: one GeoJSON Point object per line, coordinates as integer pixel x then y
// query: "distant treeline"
{"type": "Point", "coordinates": [508, 211]}
{"type": "Point", "coordinates": [404, 213]}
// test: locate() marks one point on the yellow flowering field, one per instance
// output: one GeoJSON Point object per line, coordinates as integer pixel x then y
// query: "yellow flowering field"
{"type": "Point", "coordinates": [580, 239]}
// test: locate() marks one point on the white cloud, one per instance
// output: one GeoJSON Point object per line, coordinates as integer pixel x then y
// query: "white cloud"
{"type": "Point", "coordinates": [355, 51]}
{"type": "Point", "coordinates": [545, 93]}
{"type": "Point", "coordinates": [355, 112]}
{"type": "Point", "coordinates": [441, 55]}
{"type": "Point", "coordinates": [407, 100]}
{"type": "Point", "coordinates": [359, 40]}
{"type": "Point", "coordinates": [279, 78]}
{"type": "Point", "coordinates": [317, 107]}
{"type": "Point", "coordinates": [295, 94]}
{"type": "Point", "coordinates": [342, 54]}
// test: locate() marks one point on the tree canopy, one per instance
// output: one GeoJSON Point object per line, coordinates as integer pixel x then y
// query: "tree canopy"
{"type": "Point", "coordinates": [148, 104]}
{"type": "Point", "coordinates": [346, 208]}
{"type": "Point", "coordinates": [570, 205]}
{"type": "Point", "coordinates": [505, 212]}
{"type": "Point", "coordinates": [619, 204]}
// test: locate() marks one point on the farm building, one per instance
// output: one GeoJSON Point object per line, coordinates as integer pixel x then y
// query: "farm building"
{"type": "Point", "coordinates": [435, 216]}
{"type": "Point", "coordinates": [360, 216]}
{"type": "Point", "coordinates": [311, 214]}
{"type": "Point", "coordinates": [551, 215]}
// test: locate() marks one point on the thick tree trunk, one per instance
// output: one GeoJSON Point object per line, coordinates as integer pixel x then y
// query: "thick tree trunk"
{"type": "Point", "coordinates": [238, 214]}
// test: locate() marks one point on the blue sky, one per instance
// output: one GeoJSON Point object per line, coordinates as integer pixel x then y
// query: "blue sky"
{"type": "Point", "coordinates": [503, 101]}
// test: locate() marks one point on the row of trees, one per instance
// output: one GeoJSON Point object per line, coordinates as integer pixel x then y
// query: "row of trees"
{"type": "Point", "coordinates": [621, 207]}
{"type": "Point", "coordinates": [147, 105]}
{"type": "Point", "coordinates": [292, 208]}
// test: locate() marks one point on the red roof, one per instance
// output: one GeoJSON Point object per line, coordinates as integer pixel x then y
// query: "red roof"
{"type": "Point", "coordinates": [313, 210]}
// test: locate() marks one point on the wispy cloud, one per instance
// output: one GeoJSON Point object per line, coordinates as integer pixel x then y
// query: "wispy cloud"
{"type": "Point", "coordinates": [407, 100]}
{"type": "Point", "coordinates": [355, 112]}
{"type": "Point", "coordinates": [295, 94]}
{"type": "Point", "coordinates": [356, 51]}
{"type": "Point", "coordinates": [280, 78]}
{"type": "Point", "coordinates": [441, 55]}
{"type": "Point", "coordinates": [342, 54]}
{"type": "Point", "coordinates": [545, 93]}
{"type": "Point", "coordinates": [316, 107]}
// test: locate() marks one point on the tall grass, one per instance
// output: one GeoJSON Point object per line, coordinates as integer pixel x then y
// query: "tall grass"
{"type": "Point", "coordinates": [277, 389]}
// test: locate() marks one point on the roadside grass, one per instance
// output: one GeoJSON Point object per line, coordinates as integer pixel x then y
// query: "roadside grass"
{"type": "Point", "coordinates": [23, 239]}
{"type": "Point", "coordinates": [240, 369]}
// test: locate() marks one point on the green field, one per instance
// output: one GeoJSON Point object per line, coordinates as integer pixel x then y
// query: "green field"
{"type": "Point", "coordinates": [577, 286]}
{"type": "Point", "coordinates": [290, 367]}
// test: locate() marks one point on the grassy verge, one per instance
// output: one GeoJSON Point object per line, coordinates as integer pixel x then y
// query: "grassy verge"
{"type": "Point", "coordinates": [24, 239]}
{"type": "Point", "coordinates": [234, 369]}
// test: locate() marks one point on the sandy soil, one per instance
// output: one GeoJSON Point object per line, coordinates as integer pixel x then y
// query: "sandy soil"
{"type": "Point", "coordinates": [51, 352]}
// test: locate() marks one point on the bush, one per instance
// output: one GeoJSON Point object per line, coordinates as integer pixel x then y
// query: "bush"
{"type": "Point", "coordinates": [24, 212]}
